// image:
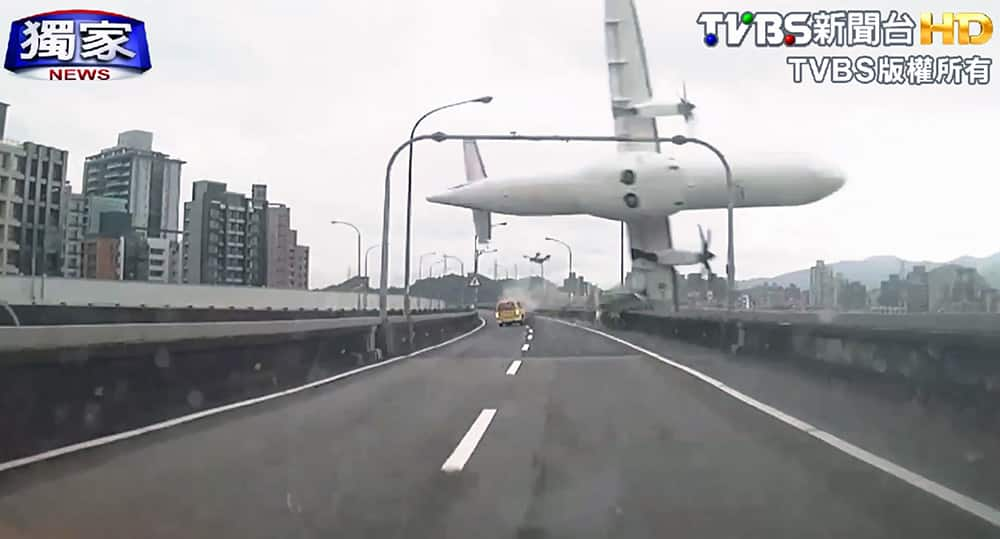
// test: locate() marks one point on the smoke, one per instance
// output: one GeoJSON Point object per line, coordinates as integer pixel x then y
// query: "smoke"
{"type": "Point", "coordinates": [530, 296]}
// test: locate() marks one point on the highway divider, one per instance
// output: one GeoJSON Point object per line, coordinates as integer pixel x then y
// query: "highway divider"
{"type": "Point", "coordinates": [61, 385]}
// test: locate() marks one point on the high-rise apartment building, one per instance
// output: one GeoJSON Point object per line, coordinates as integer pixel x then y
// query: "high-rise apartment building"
{"type": "Point", "coordinates": [822, 286]}
{"type": "Point", "coordinates": [32, 183]}
{"type": "Point", "coordinates": [148, 180]}
{"type": "Point", "coordinates": [225, 236]}
{"type": "Point", "coordinates": [287, 262]}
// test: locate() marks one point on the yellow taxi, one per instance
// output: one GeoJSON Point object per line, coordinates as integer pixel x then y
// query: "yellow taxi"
{"type": "Point", "coordinates": [510, 312]}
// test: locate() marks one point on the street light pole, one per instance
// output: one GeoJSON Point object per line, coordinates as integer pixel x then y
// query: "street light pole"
{"type": "Point", "coordinates": [364, 304]}
{"type": "Point", "coordinates": [356, 229]}
{"type": "Point", "coordinates": [409, 209]}
{"type": "Point", "coordinates": [439, 137]}
{"type": "Point", "coordinates": [420, 266]}
{"type": "Point", "coordinates": [570, 249]}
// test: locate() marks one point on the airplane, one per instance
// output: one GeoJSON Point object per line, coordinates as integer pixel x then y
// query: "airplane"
{"type": "Point", "coordinates": [639, 185]}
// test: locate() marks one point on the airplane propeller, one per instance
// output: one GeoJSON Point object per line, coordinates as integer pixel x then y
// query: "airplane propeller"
{"type": "Point", "coordinates": [687, 107]}
{"type": "Point", "coordinates": [706, 254]}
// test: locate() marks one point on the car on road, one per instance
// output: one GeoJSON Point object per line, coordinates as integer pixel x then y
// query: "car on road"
{"type": "Point", "coordinates": [510, 312]}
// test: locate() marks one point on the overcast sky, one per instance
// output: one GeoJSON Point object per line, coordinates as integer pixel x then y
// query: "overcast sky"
{"type": "Point", "coordinates": [311, 97]}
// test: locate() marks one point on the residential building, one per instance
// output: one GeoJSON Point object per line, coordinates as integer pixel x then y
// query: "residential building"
{"type": "Point", "coordinates": [148, 180]}
{"type": "Point", "coordinates": [287, 262]}
{"type": "Point", "coordinates": [32, 181]}
{"type": "Point", "coordinates": [82, 218]}
{"type": "Point", "coordinates": [852, 296]}
{"type": "Point", "coordinates": [300, 268]}
{"type": "Point", "coordinates": [822, 286]}
{"type": "Point", "coordinates": [163, 260]}
{"type": "Point", "coordinates": [918, 290]}
{"type": "Point", "coordinates": [225, 236]}
{"type": "Point", "coordinates": [103, 258]}
{"type": "Point", "coordinates": [892, 292]}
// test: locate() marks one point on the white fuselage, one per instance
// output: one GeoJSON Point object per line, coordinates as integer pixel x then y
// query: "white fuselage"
{"type": "Point", "coordinates": [661, 186]}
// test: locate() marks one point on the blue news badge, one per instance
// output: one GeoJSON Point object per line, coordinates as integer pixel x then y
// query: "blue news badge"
{"type": "Point", "coordinates": [77, 44]}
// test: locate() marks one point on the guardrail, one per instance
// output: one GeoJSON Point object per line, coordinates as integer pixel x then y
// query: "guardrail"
{"type": "Point", "coordinates": [68, 384]}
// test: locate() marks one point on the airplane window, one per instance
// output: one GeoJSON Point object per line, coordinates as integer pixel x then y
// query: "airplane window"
{"type": "Point", "coordinates": [628, 177]}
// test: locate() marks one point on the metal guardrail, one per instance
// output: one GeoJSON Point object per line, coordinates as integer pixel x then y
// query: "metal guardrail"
{"type": "Point", "coordinates": [35, 338]}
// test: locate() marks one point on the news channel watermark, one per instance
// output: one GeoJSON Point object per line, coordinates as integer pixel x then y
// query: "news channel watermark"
{"type": "Point", "coordinates": [77, 45]}
{"type": "Point", "coordinates": [862, 28]}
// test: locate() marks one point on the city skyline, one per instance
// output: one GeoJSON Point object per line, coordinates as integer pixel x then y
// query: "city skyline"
{"type": "Point", "coordinates": [201, 111]}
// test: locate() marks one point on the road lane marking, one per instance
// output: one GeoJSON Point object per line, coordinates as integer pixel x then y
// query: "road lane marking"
{"type": "Point", "coordinates": [512, 370]}
{"type": "Point", "coordinates": [530, 336]}
{"type": "Point", "coordinates": [957, 499]}
{"type": "Point", "coordinates": [111, 438]}
{"type": "Point", "coordinates": [463, 451]}
{"type": "Point", "coordinates": [525, 347]}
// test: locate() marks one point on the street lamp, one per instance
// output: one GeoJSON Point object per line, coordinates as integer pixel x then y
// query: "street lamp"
{"type": "Point", "coordinates": [570, 249]}
{"type": "Point", "coordinates": [367, 253]}
{"type": "Point", "coordinates": [461, 265]}
{"type": "Point", "coordinates": [420, 266]}
{"type": "Point", "coordinates": [439, 137]}
{"type": "Point", "coordinates": [46, 231]}
{"type": "Point", "coordinates": [409, 208]}
{"type": "Point", "coordinates": [384, 245]}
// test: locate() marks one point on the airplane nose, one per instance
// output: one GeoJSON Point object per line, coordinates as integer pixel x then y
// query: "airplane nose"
{"type": "Point", "coordinates": [452, 197]}
{"type": "Point", "coordinates": [830, 176]}
{"type": "Point", "coordinates": [440, 198]}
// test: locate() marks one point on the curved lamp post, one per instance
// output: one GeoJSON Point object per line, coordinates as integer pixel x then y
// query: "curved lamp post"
{"type": "Point", "coordinates": [570, 249]}
{"type": "Point", "coordinates": [409, 201]}
{"type": "Point", "coordinates": [359, 250]}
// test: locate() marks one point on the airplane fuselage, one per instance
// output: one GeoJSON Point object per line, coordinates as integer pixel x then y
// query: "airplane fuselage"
{"type": "Point", "coordinates": [640, 184]}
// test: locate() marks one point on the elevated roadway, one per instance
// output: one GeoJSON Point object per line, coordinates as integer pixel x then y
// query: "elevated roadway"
{"type": "Point", "coordinates": [553, 432]}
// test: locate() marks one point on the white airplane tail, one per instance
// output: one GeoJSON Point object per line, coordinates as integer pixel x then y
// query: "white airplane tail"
{"type": "Point", "coordinates": [476, 171]}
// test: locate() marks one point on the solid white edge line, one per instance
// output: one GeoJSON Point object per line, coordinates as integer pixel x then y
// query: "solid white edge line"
{"type": "Point", "coordinates": [957, 499]}
{"type": "Point", "coordinates": [463, 451]}
{"type": "Point", "coordinates": [111, 438]}
{"type": "Point", "coordinates": [514, 365]}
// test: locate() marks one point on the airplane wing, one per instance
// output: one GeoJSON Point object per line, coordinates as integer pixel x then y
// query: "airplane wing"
{"type": "Point", "coordinates": [475, 171]}
{"type": "Point", "coordinates": [628, 76]}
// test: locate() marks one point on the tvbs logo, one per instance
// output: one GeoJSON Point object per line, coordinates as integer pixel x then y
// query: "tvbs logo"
{"type": "Point", "coordinates": [843, 28]}
{"type": "Point", "coordinates": [77, 44]}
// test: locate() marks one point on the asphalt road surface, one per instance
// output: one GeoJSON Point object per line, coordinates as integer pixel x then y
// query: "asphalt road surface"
{"type": "Point", "coordinates": [584, 437]}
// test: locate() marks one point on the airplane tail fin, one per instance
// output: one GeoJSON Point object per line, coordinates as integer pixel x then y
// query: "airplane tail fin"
{"type": "Point", "coordinates": [476, 171]}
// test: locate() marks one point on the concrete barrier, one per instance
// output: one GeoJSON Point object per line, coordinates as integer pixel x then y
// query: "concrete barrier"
{"type": "Point", "coordinates": [33, 315]}
{"type": "Point", "coordinates": [960, 363]}
{"type": "Point", "coordinates": [84, 382]}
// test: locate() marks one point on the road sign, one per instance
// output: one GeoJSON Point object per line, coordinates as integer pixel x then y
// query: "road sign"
{"type": "Point", "coordinates": [474, 282]}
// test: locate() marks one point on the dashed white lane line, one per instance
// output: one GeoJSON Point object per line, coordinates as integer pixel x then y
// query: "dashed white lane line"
{"type": "Point", "coordinates": [530, 336]}
{"type": "Point", "coordinates": [512, 370]}
{"type": "Point", "coordinates": [525, 347]}
{"type": "Point", "coordinates": [463, 451]}
{"type": "Point", "coordinates": [959, 500]}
